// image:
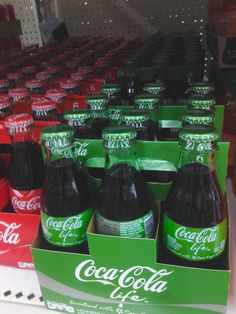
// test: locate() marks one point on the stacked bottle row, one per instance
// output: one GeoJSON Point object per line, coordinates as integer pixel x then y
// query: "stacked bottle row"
{"type": "Point", "coordinates": [193, 219]}
{"type": "Point", "coordinates": [142, 115]}
{"type": "Point", "coordinates": [167, 52]}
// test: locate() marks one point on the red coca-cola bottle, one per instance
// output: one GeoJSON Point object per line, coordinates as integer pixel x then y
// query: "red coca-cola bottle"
{"type": "Point", "coordinates": [26, 169]}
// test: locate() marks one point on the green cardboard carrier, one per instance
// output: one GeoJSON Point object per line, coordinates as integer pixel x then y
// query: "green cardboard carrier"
{"type": "Point", "coordinates": [122, 275]}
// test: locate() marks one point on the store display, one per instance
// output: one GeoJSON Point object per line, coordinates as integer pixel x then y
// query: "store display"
{"type": "Point", "coordinates": [195, 218]}
{"type": "Point", "coordinates": [67, 206]}
{"type": "Point", "coordinates": [26, 169]}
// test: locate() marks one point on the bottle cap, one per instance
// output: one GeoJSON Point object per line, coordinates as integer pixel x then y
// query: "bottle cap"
{"type": "Point", "coordinates": [34, 84]}
{"type": "Point", "coordinates": [118, 136]}
{"type": "Point", "coordinates": [4, 83]}
{"type": "Point", "coordinates": [4, 102]}
{"type": "Point", "coordinates": [68, 84]}
{"type": "Point", "coordinates": [43, 104]}
{"type": "Point", "coordinates": [146, 101]}
{"type": "Point", "coordinates": [14, 75]}
{"type": "Point", "coordinates": [134, 117]}
{"type": "Point", "coordinates": [201, 88]}
{"type": "Point", "coordinates": [58, 136]}
{"type": "Point", "coordinates": [18, 93]}
{"type": "Point", "coordinates": [18, 123]}
{"type": "Point", "coordinates": [154, 88]}
{"type": "Point", "coordinates": [29, 69]}
{"type": "Point", "coordinates": [77, 115]}
{"type": "Point", "coordinates": [110, 89]}
{"type": "Point", "coordinates": [198, 116]}
{"type": "Point", "coordinates": [55, 94]}
{"type": "Point", "coordinates": [42, 76]}
{"type": "Point", "coordinates": [198, 138]}
{"type": "Point", "coordinates": [97, 102]}
{"type": "Point", "coordinates": [201, 101]}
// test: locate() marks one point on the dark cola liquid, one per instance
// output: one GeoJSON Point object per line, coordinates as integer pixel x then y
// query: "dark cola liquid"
{"type": "Point", "coordinates": [65, 194]}
{"type": "Point", "coordinates": [195, 200]}
{"type": "Point", "coordinates": [153, 131]}
{"type": "Point", "coordinates": [26, 169]}
{"type": "Point", "coordinates": [83, 132]}
{"type": "Point", "coordinates": [98, 125]}
{"type": "Point", "coordinates": [2, 169]}
{"type": "Point", "coordinates": [123, 195]}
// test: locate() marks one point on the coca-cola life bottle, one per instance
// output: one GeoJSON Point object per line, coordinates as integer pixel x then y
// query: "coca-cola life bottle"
{"type": "Point", "coordinates": [26, 169]}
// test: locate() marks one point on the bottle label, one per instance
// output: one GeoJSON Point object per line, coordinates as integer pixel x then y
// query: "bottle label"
{"type": "Point", "coordinates": [66, 231]}
{"type": "Point", "coordinates": [26, 202]}
{"type": "Point", "coordinates": [194, 244]}
{"type": "Point", "coordinates": [139, 228]}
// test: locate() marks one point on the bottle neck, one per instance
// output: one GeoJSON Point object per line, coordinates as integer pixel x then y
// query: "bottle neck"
{"type": "Point", "coordinates": [206, 158]}
{"type": "Point", "coordinates": [18, 137]}
{"type": "Point", "coordinates": [121, 155]}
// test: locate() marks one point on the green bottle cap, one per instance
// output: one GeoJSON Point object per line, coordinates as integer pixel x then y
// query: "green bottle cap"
{"type": "Point", "coordinates": [154, 88]}
{"type": "Point", "coordinates": [97, 102]}
{"type": "Point", "coordinates": [200, 101]}
{"type": "Point", "coordinates": [110, 89]}
{"type": "Point", "coordinates": [198, 116]}
{"type": "Point", "coordinates": [118, 136]}
{"type": "Point", "coordinates": [79, 116]}
{"type": "Point", "coordinates": [134, 118]}
{"type": "Point", "coordinates": [146, 101]}
{"type": "Point", "coordinates": [57, 136]}
{"type": "Point", "coordinates": [199, 138]}
{"type": "Point", "coordinates": [202, 88]}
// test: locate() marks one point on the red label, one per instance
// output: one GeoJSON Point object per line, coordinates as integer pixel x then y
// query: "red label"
{"type": "Point", "coordinates": [26, 202]}
{"type": "Point", "coordinates": [17, 232]}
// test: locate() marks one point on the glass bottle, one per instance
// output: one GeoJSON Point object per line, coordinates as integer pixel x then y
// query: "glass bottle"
{"type": "Point", "coordinates": [80, 120]}
{"type": "Point", "coordinates": [99, 113]}
{"type": "Point", "coordinates": [66, 200]}
{"type": "Point", "coordinates": [125, 208]}
{"type": "Point", "coordinates": [195, 222]}
{"type": "Point", "coordinates": [26, 169]}
{"type": "Point", "coordinates": [69, 86]}
{"type": "Point", "coordinates": [203, 88]}
{"type": "Point", "coordinates": [149, 103]}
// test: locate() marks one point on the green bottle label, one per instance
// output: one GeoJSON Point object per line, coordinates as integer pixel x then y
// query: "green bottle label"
{"type": "Point", "coordinates": [66, 231]}
{"type": "Point", "coordinates": [139, 228]}
{"type": "Point", "coordinates": [194, 244]}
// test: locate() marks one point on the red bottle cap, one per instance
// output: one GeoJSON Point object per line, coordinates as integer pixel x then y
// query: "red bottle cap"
{"type": "Point", "coordinates": [55, 69]}
{"type": "Point", "coordinates": [4, 102]}
{"type": "Point", "coordinates": [43, 104]}
{"type": "Point", "coordinates": [77, 76]}
{"type": "Point", "coordinates": [14, 75]}
{"type": "Point", "coordinates": [42, 76]}
{"type": "Point", "coordinates": [55, 94]}
{"type": "Point", "coordinates": [29, 69]}
{"type": "Point", "coordinates": [68, 84]}
{"type": "Point", "coordinates": [18, 121]}
{"type": "Point", "coordinates": [4, 83]}
{"type": "Point", "coordinates": [34, 84]}
{"type": "Point", "coordinates": [18, 93]}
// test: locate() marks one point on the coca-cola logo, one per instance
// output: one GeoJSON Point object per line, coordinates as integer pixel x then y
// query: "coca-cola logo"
{"type": "Point", "coordinates": [81, 149]}
{"type": "Point", "coordinates": [126, 282]}
{"type": "Point", "coordinates": [26, 200]}
{"type": "Point", "coordinates": [8, 234]}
